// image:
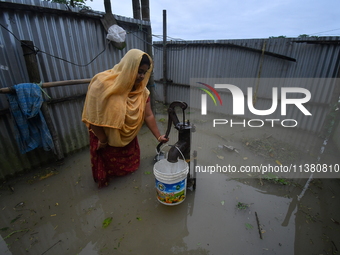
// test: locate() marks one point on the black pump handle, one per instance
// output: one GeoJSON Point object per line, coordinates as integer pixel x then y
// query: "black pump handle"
{"type": "Point", "coordinates": [172, 118]}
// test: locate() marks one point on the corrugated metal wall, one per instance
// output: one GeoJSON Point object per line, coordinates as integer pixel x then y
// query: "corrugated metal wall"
{"type": "Point", "coordinates": [78, 38]}
{"type": "Point", "coordinates": [312, 63]}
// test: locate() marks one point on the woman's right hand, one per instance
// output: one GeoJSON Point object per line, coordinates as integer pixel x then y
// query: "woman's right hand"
{"type": "Point", "coordinates": [163, 139]}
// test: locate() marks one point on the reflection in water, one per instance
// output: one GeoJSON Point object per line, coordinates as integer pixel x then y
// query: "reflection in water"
{"type": "Point", "coordinates": [306, 212]}
{"type": "Point", "coordinates": [306, 186]}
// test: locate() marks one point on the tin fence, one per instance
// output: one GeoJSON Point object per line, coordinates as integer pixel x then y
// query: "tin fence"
{"type": "Point", "coordinates": [261, 64]}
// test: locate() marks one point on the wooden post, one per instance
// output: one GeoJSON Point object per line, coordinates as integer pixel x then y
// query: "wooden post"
{"type": "Point", "coordinates": [145, 10]}
{"type": "Point", "coordinates": [34, 77]}
{"type": "Point", "coordinates": [107, 6]}
{"type": "Point", "coordinates": [165, 78]}
{"type": "Point", "coordinates": [109, 20]}
{"type": "Point", "coordinates": [151, 84]}
{"type": "Point", "coordinates": [31, 61]}
{"type": "Point", "coordinates": [136, 9]}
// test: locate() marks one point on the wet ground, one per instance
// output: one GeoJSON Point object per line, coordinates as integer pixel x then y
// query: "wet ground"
{"type": "Point", "coordinates": [58, 209]}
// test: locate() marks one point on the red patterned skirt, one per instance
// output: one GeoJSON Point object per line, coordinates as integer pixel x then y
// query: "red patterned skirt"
{"type": "Point", "coordinates": [113, 161]}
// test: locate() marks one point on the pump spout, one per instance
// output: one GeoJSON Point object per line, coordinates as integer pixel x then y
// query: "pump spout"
{"type": "Point", "coordinates": [175, 151]}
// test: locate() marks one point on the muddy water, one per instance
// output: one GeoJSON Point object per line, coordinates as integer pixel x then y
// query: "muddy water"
{"type": "Point", "coordinates": [59, 210]}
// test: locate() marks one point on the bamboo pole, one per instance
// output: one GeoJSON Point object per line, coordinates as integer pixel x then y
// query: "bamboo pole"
{"type": "Point", "coordinates": [165, 86]}
{"type": "Point", "coordinates": [151, 84]}
{"type": "Point", "coordinates": [53, 84]}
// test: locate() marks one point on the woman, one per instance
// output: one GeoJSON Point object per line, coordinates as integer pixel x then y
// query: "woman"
{"type": "Point", "coordinates": [116, 105]}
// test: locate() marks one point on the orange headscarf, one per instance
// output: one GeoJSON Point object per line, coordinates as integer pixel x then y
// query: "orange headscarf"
{"type": "Point", "coordinates": [111, 104]}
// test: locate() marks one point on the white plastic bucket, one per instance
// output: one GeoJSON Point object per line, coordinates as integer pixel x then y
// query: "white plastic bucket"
{"type": "Point", "coordinates": [171, 181]}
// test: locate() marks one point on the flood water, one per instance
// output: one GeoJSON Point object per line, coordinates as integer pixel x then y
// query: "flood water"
{"type": "Point", "coordinates": [58, 209]}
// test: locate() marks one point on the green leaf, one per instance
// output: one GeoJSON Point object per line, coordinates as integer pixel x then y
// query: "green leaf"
{"type": "Point", "coordinates": [248, 226]}
{"type": "Point", "coordinates": [16, 218]}
{"type": "Point", "coordinates": [242, 206]}
{"type": "Point", "coordinates": [16, 231]}
{"type": "Point", "coordinates": [107, 222]}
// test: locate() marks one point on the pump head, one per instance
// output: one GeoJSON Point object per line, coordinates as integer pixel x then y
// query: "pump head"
{"type": "Point", "coordinates": [184, 133]}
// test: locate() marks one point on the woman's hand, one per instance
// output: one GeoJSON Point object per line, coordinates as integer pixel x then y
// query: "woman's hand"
{"type": "Point", "coordinates": [100, 134]}
{"type": "Point", "coordinates": [152, 125]}
{"type": "Point", "coordinates": [163, 139]}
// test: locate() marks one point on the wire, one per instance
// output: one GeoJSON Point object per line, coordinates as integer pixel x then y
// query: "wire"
{"type": "Point", "coordinates": [156, 46]}
{"type": "Point", "coordinates": [37, 50]}
{"type": "Point", "coordinates": [182, 44]}
{"type": "Point", "coordinates": [316, 34]}
{"type": "Point", "coordinates": [80, 65]}
{"type": "Point", "coordinates": [326, 31]}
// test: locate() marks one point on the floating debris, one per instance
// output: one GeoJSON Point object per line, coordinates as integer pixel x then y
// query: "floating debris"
{"type": "Point", "coordinates": [18, 205]}
{"type": "Point", "coordinates": [16, 231]}
{"type": "Point", "coordinates": [258, 225]}
{"type": "Point", "coordinates": [228, 148]}
{"type": "Point", "coordinates": [248, 226]}
{"type": "Point", "coordinates": [275, 179]}
{"type": "Point", "coordinates": [220, 157]}
{"type": "Point", "coordinates": [242, 206]}
{"type": "Point", "coordinates": [336, 222]}
{"type": "Point", "coordinates": [16, 218]}
{"type": "Point", "coordinates": [107, 222]}
{"type": "Point", "coordinates": [48, 175]}
{"type": "Point", "coordinates": [271, 148]}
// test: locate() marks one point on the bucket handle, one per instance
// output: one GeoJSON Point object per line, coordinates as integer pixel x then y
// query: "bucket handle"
{"type": "Point", "coordinates": [160, 149]}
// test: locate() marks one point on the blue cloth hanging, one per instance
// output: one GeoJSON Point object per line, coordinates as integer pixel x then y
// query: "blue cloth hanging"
{"type": "Point", "coordinates": [31, 130]}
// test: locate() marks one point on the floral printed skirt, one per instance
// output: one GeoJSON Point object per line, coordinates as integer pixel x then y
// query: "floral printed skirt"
{"type": "Point", "coordinates": [113, 161]}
